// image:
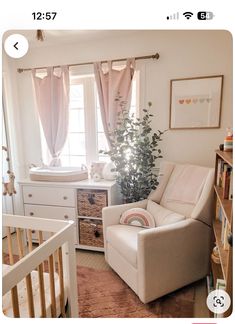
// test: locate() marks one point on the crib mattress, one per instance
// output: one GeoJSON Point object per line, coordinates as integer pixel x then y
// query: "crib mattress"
{"type": "Point", "coordinates": [22, 295]}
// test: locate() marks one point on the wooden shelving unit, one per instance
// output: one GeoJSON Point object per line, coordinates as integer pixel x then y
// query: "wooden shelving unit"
{"type": "Point", "coordinates": [226, 204]}
{"type": "Point", "coordinates": [222, 253]}
{"type": "Point", "coordinates": [224, 269]}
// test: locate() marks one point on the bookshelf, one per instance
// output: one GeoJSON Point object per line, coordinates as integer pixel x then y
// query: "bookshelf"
{"type": "Point", "coordinates": [222, 223]}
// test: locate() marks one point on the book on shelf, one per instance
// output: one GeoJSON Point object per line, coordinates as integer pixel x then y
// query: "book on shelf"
{"type": "Point", "coordinates": [210, 282]}
{"type": "Point", "coordinates": [224, 178]}
{"type": "Point", "coordinates": [225, 240]}
{"type": "Point", "coordinates": [224, 229]}
{"type": "Point", "coordinates": [226, 181]}
{"type": "Point", "coordinates": [224, 221]}
{"type": "Point", "coordinates": [218, 173]}
{"type": "Point", "coordinates": [230, 193]}
{"type": "Point", "coordinates": [219, 212]}
{"type": "Point", "coordinates": [221, 285]}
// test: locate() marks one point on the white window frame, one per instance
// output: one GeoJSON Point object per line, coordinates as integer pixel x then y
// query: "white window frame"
{"type": "Point", "coordinates": [90, 116]}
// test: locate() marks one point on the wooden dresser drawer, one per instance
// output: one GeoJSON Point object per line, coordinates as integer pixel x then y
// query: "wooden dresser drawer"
{"type": "Point", "coordinates": [49, 196]}
{"type": "Point", "coordinates": [50, 212]}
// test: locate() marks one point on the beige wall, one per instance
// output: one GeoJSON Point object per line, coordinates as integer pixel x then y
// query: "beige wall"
{"type": "Point", "coordinates": [182, 54]}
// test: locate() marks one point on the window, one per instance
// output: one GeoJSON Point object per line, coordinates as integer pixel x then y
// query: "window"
{"type": "Point", "coordinates": [86, 134]}
{"type": "Point", "coordinates": [74, 152]}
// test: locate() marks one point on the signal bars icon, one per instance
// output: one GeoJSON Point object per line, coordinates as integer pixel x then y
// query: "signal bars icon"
{"type": "Point", "coordinates": [186, 14]}
{"type": "Point", "coordinates": [174, 16]}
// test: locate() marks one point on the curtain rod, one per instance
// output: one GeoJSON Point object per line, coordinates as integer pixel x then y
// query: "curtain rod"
{"type": "Point", "coordinates": [155, 56]}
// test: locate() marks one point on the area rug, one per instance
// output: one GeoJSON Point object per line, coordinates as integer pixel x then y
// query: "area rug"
{"type": "Point", "coordinates": [102, 293]}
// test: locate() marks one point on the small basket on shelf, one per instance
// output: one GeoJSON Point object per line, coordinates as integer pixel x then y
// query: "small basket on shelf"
{"type": "Point", "coordinates": [215, 255]}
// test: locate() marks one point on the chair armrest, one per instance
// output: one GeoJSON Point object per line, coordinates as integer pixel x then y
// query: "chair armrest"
{"type": "Point", "coordinates": [172, 256]}
{"type": "Point", "coordinates": [111, 214]}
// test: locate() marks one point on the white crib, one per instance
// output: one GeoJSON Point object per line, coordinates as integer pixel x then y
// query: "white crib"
{"type": "Point", "coordinates": [27, 289]}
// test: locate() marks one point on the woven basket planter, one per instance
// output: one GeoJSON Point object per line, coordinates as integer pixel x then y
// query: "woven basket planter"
{"type": "Point", "coordinates": [91, 202]}
{"type": "Point", "coordinates": [91, 233]}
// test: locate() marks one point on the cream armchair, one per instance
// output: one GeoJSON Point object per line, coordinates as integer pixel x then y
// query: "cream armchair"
{"type": "Point", "coordinates": [157, 261]}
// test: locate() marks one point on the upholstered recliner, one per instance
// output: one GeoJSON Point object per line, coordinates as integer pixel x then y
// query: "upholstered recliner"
{"type": "Point", "coordinates": [159, 260]}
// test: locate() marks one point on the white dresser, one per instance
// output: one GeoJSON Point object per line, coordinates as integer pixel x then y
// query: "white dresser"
{"type": "Point", "coordinates": [81, 202]}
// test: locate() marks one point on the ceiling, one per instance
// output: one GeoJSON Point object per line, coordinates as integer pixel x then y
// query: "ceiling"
{"type": "Point", "coordinates": [54, 37]}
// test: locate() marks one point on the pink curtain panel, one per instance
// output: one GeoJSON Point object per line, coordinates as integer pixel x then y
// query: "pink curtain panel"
{"type": "Point", "coordinates": [52, 98]}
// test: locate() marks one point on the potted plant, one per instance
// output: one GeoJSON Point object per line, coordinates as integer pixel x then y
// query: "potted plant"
{"type": "Point", "coordinates": [134, 151]}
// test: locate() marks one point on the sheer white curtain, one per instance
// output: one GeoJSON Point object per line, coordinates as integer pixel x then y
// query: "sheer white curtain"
{"type": "Point", "coordinates": [52, 97]}
{"type": "Point", "coordinates": [110, 85]}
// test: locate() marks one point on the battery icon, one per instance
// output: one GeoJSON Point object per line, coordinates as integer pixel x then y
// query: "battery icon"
{"type": "Point", "coordinates": [205, 15]}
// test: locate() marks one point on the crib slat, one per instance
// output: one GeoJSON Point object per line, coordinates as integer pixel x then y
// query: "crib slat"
{"type": "Point", "coordinates": [14, 290]}
{"type": "Point", "coordinates": [52, 286]}
{"type": "Point", "coordinates": [15, 302]}
{"type": "Point", "coordinates": [9, 245]}
{"type": "Point", "coordinates": [40, 237]}
{"type": "Point", "coordinates": [61, 278]}
{"type": "Point", "coordinates": [29, 235]}
{"type": "Point", "coordinates": [29, 289]}
{"type": "Point", "coordinates": [19, 243]}
{"type": "Point", "coordinates": [40, 241]}
{"type": "Point", "coordinates": [41, 281]}
{"type": "Point", "coordinates": [28, 278]}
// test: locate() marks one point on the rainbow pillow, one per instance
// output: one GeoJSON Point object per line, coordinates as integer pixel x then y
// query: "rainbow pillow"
{"type": "Point", "coordinates": [137, 217]}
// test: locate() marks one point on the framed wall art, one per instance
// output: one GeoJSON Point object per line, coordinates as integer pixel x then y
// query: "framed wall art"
{"type": "Point", "coordinates": [196, 102]}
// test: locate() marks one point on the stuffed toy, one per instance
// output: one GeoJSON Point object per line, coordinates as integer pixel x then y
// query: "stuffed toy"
{"type": "Point", "coordinates": [9, 187]}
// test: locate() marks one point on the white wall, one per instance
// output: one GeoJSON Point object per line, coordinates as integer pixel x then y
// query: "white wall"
{"type": "Point", "coordinates": [182, 54]}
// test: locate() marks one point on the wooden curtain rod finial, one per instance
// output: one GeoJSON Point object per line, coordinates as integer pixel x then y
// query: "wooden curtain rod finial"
{"type": "Point", "coordinates": [156, 56]}
{"type": "Point", "coordinates": [40, 35]}
{"type": "Point", "coordinates": [20, 70]}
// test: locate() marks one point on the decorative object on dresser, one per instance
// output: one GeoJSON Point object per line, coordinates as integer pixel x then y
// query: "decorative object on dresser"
{"type": "Point", "coordinates": [222, 224]}
{"type": "Point", "coordinates": [81, 202]}
{"type": "Point", "coordinates": [96, 177]}
{"type": "Point", "coordinates": [97, 168]}
{"type": "Point", "coordinates": [108, 171]}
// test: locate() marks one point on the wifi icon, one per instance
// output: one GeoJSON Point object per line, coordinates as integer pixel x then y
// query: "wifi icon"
{"type": "Point", "coordinates": [188, 14]}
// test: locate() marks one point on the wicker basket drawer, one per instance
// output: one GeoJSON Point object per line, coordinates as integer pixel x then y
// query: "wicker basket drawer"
{"type": "Point", "coordinates": [91, 202]}
{"type": "Point", "coordinates": [91, 232]}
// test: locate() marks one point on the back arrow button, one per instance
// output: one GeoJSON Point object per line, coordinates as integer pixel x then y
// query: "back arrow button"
{"type": "Point", "coordinates": [16, 45]}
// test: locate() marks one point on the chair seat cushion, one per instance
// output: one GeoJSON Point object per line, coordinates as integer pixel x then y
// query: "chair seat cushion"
{"type": "Point", "coordinates": [162, 215]}
{"type": "Point", "coordinates": [124, 239]}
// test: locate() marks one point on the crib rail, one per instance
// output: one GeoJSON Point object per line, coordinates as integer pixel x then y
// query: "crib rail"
{"type": "Point", "coordinates": [59, 246]}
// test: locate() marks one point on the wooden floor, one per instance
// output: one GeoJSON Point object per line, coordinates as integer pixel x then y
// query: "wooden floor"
{"type": "Point", "coordinates": [97, 261]}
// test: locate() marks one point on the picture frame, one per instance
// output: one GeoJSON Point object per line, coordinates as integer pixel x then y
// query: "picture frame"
{"type": "Point", "coordinates": [195, 103]}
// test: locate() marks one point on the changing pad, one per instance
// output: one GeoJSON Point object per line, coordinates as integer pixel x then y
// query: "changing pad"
{"type": "Point", "coordinates": [22, 295]}
{"type": "Point", "coordinates": [58, 174]}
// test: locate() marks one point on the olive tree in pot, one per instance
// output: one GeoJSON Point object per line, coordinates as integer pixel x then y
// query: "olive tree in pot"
{"type": "Point", "coordinates": [134, 151]}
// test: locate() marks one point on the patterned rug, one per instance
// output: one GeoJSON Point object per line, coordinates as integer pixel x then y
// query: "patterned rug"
{"type": "Point", "coordinates": [102, 293]}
